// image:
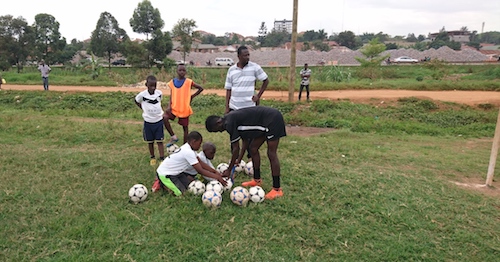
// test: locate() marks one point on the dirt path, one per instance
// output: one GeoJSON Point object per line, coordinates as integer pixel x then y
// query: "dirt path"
{"type": "Point", "coordinates": [464, 97]}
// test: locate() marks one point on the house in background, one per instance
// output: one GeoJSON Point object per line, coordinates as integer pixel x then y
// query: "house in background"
{"type": "Point", "coordinates": [457, 36]}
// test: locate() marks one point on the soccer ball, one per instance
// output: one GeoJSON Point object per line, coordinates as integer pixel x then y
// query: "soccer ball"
{"type": "Point", "coordinates": [239, 196]}
{"type": "Point", "coordinates": [211, 199]}
{"type": "Point", "coordinates": [196, 187]}
{"type": "Point", "coordinates": [256, 194]}
{"type": "Point", "coordinates": [172, 149]}
{"type": "Point", "coordinates": [222, 167]}
{"type": "Point", "coordinates": [138, 193]}
{"type": "Point", "coordinates": [229, 184]}
{"type": "Point", "coordinates": [214, 185]}
{"type": "Point", "coordinates": [240, 167]}
{"type": "Point", "coordinates": [249, 169]}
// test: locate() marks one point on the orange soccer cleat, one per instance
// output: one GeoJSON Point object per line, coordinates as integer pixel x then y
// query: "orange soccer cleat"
{"type": "Point", "coordinates": [253, 182]}
{"type": "Point", "coordinates": [274, 193]}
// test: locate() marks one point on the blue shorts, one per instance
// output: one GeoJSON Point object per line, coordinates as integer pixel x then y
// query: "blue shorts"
{"type": "Point", "coordinates": [153, 132]}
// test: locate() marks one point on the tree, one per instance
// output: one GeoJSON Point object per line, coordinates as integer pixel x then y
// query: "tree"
{"type": "Point", "coordinates": [411, 38]}
{"type": "Point", "coordinates": [16, 41]}
{"type": "Point", "coordinates": [276, 38]}
{"type": "Point", "coordinates": [262, 33]}
{"type": "Point", "coordinates": [321, 46]}
{"type": "Point", "coordinates": [146, 19]}
{"type": "Point", "coordinates": [108, 37]}
{"type": "Point", "coordinates": [421, 38]}
{"type": "Point", "coordinates": [490, 37]}
{"type": "Point", "coordinates": [136, 54]}
{"type": "Point", "coordinates": [372, 51]}
{"type": "Point", "coordinates": [159, 46]}
{"type": "Point", "coordinates": [184, 31]}
{"type": "Point", "coordinates": [391, 46]}
{"type": "Point", "coordinates": [48, 41]}
{"type": "Point", "coordinates": [347, 39]}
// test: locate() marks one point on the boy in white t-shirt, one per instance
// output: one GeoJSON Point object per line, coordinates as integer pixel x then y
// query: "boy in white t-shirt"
{"type": "Point", "coordinates": [150, 102]}
{"type": "Point", "coordinates": [205, 156]}
{"type": "Point", "coordinates": [172, 171]}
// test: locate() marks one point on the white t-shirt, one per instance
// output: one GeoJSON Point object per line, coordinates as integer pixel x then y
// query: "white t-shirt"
{"type": "Point", "coordinates": [179, 161]}
{"type": "Point", "coordinates": [151, 105]}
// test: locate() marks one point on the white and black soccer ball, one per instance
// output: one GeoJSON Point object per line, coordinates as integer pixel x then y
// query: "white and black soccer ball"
{"type": "Point", "coordinates": [172, 149]}
{"type": "Point", "coordinates": [138, 193]}
{"type": "Point", "coordinates": [196, 187]}
{"type": "Point", "coordinates": [215, 186]}
{"type": "Point", "coordinates": [211, 199]}
{"type": "Point", "coordinates": [241, 167]}
{"type": "Point", "coordinates": [257, 194]}
{"type": "Point", "coordinates": [229, 184]}
{"type": "Point", "coordinates": [249, 169]}
{"type": "Point", "coordinates": [239, 196]}
{"type": "Point", "coordinates": [222, 167]}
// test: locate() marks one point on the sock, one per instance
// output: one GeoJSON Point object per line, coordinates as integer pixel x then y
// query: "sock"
{"type": "Point", "coordinates": [276, 182]}
{"type": "Point", "coordinates": [256, 174]}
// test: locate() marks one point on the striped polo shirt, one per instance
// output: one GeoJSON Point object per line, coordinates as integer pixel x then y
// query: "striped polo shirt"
{"type": "Point", "coordinates": [241, 82]}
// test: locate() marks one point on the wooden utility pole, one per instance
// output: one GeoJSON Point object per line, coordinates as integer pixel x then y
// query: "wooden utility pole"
{"type": "Point", "coordinates": [494, 153]}
{"type": "Point", "coordinates": [293, 54]}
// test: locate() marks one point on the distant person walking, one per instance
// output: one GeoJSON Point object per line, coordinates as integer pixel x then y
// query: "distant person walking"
{"type": "Point", "coordinates": [45, 70]}
{"type": "Point", "coordinates": [305, 74]}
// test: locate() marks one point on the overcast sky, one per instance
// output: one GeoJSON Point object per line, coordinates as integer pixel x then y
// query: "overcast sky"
{"type": "Point", "coordinates": [77, 19]}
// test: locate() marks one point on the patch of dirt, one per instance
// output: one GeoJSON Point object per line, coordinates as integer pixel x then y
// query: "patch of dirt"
{"type": "Point", "coordinates": [472, 98]}
{"type": "Point", "coordinates": [477, 185]}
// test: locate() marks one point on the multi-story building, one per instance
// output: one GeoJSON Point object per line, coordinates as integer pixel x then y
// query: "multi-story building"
{"type": "Point", "coordinates": [283, 25]}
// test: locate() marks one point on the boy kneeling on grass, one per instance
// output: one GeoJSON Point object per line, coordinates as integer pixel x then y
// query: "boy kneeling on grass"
{"type": "Point", "coordinates": [171, 173]}
{"type": "Point", "coordinates": [205, 157]}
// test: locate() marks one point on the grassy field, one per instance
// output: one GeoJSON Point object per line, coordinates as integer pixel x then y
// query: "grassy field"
{"type": "Point", "coordinates": [430, 76]}
{"type": "Point", "coordinates": [378, 187]}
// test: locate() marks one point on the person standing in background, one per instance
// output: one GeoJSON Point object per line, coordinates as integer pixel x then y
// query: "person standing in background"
{"type": "Point", "coordinates": [44, 70]}
{"type": "Point", "coordinates": [305, 74]}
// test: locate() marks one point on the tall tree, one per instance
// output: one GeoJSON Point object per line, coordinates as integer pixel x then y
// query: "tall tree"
{"type": "Point", "coordinates": [184, 32]}
{"type": "Point", "coordinates": [347, 39]}
{"type": "Point", "coordinates": [373, 58]}
{"type": "Point", "coordinates": [48, 40]}
{"type": "Point", "coordinates": [107, 38]}
{"type": "Point", "coordinates": [262, 32]}
{"type": "Point", "coordinates": [159, 46]}
{"type": "Point", "coordinates": [146, 19]}
{"type": "Point", "coordinates": [16, 41]}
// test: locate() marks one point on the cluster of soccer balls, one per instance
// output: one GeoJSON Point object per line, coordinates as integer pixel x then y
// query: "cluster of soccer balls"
{"type": "Point", "coordinates": [211, 194]}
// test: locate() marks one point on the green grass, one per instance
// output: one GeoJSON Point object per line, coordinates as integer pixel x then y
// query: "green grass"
{"type": "Point", "coordinates": [351, 194]}
{"type": "Point", "coordinates": [435, 76]}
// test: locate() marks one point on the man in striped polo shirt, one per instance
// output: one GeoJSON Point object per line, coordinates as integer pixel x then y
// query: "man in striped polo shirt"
{"type": "Point", "coordinates": [240, 82]}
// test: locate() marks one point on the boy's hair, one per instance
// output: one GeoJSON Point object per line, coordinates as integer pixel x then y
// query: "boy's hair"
{"type": "Point", "coordinates": [208, 145]}
{"type": "Point", "coordinates": [241, 48]}
{"type": "Point", "coordinates": [151, 79]}
{"type": "Point", "coordinates": [211, 123]}
{"type": "Point", "coordinates": [194, 136]}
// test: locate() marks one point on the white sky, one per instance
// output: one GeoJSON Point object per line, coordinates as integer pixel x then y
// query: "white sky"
{"type": "Point", "coordinates": [78, 19]}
